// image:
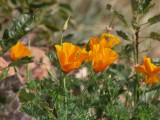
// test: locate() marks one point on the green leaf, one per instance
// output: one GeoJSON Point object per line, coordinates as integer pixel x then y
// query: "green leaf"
{"type": "Point", "coordinates": [3, 73]}
{"type": "Point", "coordinates": [59, 91]}
{"type": "Point", "coordinates": [127, 50]}
{"type": "Point", "coordinates": [134, 4]}
{"type": "Point", "coordinates": [155, 36]}
{"type": "Point", "coordinates": [121, 71]}
{"type": "Point", "coordinates": [22, 61]}
{"type": "Point", "coordinates": [52, 27]}
{"type": "Point", "coordinates": [74, 80]}
{"type": "Point", "coordinates": [118, 14]}
{"type": "Point", "coordinates": [144, 6]}
{"type": "Point", "coordinates": [15, 2]}
{"type": "Point", "coordinates": [51, 56]}
{"type": "Point", "coordinates": [26, 96]}
{"type": "Point", "coordinates": [68, 36]}
{"type": "Point", "coordinates": [121, 17]}
{"type": "Point", "coordinates": [108, 7]}
{"type": "Point", "coordinates": [65, 7]}
{"type": "Point", "coordinates": [154, 19]}
{"type": "Point", "coordinates": [44, 105]}
{"type": "Point", "coordinates": [42, 4]}
{"type": "Point", "coordinates": [122, 34]}
{"type": "Point", "coordinates": [141, 6]}
{"type": "Point", "coordinates": [18, 28]}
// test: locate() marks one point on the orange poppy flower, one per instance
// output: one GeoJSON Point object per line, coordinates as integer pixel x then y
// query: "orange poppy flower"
{"type": "Point", "coordinates": [106, 40]}
{"type": "Point", "coordinates": [152, 71]}
{"type": "Point", "coordinates": [93, 41]}
{"type": "Point", "coordinates": [70, 56]}
{"type": "Point", "coordinates": [19, 51]}
{"type": "Point", "coordinates": [102, 57]}
{"type": "Point", "coordinates": [152, 79]}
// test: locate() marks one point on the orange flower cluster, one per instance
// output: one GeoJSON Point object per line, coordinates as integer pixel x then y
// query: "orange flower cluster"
{"type": "Point", "coordinates": [150, 70]}
{"type": "Point", "coordinates": [101, 54]}
{"type": "Point", "coordinates": [106, 40]}
{"type": "Point", "coordinates": [19, 51]}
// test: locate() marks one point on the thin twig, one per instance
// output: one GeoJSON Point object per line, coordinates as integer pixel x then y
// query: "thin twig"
{"type": "Point", "coordinates": [137, 44]}
{"type": "Point", "coordinates": [4, 68]}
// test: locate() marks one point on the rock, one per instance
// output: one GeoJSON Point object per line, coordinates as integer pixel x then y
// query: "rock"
{"type": "Point", "coordinates": [38, 69]}
{"type": "Point", "coordinates": [3, 65]}
{"type": "Point", "coordinates": [10, 104]}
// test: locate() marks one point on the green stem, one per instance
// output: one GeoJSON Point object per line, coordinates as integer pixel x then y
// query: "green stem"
{"type": "Point", "coordinates": [108, 88]}
{"type": "Point", "coordinates": [153, 88]}
{"type": "Point", "coordinates": [112, 20]}
{"type": "Point", "coordinates": [144, 93]}
{"type": "Point", "coordinates": [136, 89]}
{"type": "Point", "coordinates": [28, 74]}
{"type": "Point", "coordinates": [65, 97]}
{"type": "Point", "coordinates": [61, 40]}
{"type": "Point", "coordinates": [83, 92]}
{"type": "Point", "coordinates": [7, 72]}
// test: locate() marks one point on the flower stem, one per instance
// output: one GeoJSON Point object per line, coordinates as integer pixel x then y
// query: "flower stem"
{"type": "Point", "coordinates": [83, 92]}
{"type": "Point", "coordinates": [61, 40]}
{"type": "Point", "coordinates": [65, 97]}
{"type": "Point", "coordinates": [28, 68]}
{"type": "Point", "coordinates": [112, 20]}
{"type": "Point", "coordinates": [144, 93]}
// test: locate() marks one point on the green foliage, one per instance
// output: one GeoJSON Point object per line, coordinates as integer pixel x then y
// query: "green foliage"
{"type": "Point", "coordinates": [26, 96]}
{"type": "Point", "coordinates": [154, 36]}
{"type": "Point", "coordinates": [117, 113]}
{"type": "Point", "coordinates": [123, 35]}
{"type": "Point", "coordinates": [19, 27]}
{"type": "Point", "coordinates": [127, 50]}
{"type": "Point", "coordinates": [117, 93]}
{"type": "Point", "coordinates": [3, 74]}
{"type": "Point", "coordinates": [154, 19]}
{"type": "Point", "coordinates": [143, 112]}
{"type": "Point", "coordinates": [65, 7]}
{"type": "Point", "coordinates": [119, 15]}
{"type": "Point", "coordinates": [141, 6]}
{"type": "Point", "coordinates": [122, 72]}
{"type": "Point", "coordinates": [21, 61]}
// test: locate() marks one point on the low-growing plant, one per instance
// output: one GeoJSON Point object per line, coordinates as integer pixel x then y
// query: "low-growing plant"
{"type": "Point", "coordinates": [116, 85]}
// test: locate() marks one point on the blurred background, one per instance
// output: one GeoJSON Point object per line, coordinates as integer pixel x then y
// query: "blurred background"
{"type": "Point", "coordinates": [88, 18]}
